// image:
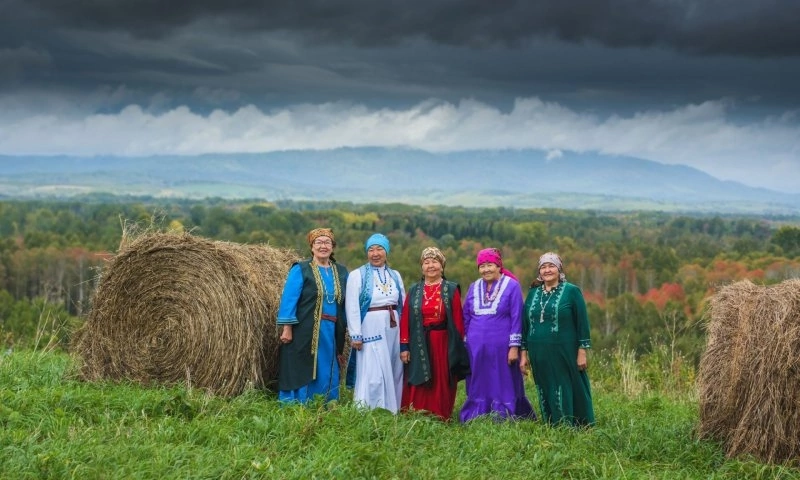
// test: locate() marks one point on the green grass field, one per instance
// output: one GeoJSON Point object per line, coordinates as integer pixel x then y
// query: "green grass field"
{"type": "Point", "coordinates": [54, 426]}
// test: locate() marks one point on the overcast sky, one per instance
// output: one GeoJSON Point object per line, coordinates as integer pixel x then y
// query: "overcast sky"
{"type": "Point", "coordinates": [711, 84]}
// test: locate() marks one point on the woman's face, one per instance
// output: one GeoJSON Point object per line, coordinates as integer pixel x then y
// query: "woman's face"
{"type": "Point", "coordinates": [548, 272]}
{"type": "Point", "coordinates": [431, 269]}
{"type": "Point", "coordinates": [376, 255]}
{"type": "Point", "coordinates": [489, 271]}
{"type": "Point", "coordinates": [322, 248]}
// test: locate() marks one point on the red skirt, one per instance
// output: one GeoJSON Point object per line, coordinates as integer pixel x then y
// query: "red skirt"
{"type": "Point", "coordinates": [438, 395]}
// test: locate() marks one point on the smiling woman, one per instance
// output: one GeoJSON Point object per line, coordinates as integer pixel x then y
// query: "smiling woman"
{"type": "Point", "coordinates": [312, 322]}
{"type": "Point", "coordinates": [555, 340]}
{"type": "Point", "coordinates": [493, 325]}
{"type": "Point", "coordinates": [374, 303]}
{"type": "Point", "coordinates": [431, 339]}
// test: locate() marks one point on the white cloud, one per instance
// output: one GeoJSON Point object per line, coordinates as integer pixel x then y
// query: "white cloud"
{"type": "Point", "coordinates": [762, 153]}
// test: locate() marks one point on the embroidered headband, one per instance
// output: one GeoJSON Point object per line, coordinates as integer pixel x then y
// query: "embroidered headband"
{"type": "Point", "coordinates": [434, 253]}
{"type": "Point", "coordinates": [320, 232]}
{"type": "Point", "coordinates": [378, 239]}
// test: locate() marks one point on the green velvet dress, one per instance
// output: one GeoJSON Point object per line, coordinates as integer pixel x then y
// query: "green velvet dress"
{"type": "Point", "coordinates": [555, 326]}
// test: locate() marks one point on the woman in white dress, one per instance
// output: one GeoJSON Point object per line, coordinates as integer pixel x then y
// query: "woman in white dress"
{"type": "Point", "coordinates": [373, 302]}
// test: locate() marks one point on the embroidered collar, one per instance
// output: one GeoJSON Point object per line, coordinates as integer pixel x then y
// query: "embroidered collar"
{"type": "Point", "coordinates": [479, 305]}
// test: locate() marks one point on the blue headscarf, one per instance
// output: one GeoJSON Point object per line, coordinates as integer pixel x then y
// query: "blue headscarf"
{"type": "Point", "coordinates": [378, 239]}
{"type": "Point", "coordinates": [365, 295]}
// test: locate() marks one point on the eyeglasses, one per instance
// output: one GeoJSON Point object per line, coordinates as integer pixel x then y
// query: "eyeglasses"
{"type": "Point", "coordinates": [320, 243]}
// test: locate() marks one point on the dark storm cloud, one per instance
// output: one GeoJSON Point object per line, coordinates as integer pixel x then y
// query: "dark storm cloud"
{"type": "Point", "coordinates": [708, 83]}
{"type": "Point", "coordinates": [162, 54]}
{"type": "Point", "coordinates": [733, 27]}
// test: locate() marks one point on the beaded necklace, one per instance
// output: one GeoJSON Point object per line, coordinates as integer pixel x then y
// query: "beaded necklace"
{"type": "Point", "coordinates": [337, 296]}
{"type": "Point", "coordinates": [543, 304]}
{"type": "Point", "coordinates": [479, 304]}
{"type": "Point", "coordinates": [383, 282]}
{"type": "Point", "coordinates": [330, 297]}
{"type": "Point", "coordinates": [322, 291]}
{"type": "Point", "coordinates": [434, 291]}
{"type": "Point", "coordinates": [490, 292]}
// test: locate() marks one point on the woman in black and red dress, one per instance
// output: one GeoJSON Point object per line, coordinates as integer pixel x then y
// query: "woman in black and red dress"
{"type": "Point", "coordinates": [431, 340]}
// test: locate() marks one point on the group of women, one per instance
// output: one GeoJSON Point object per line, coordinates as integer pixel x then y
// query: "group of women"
{"type": "Point", "coordinates": [412, 347]}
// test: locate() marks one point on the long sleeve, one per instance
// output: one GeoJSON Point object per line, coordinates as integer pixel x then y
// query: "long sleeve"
{"type": "Point", "coordinates": [405, 328]}
{"type": "Point", "coordinates": [351, 305]}
{"type": "Point", "coordinates": [515, 306]}
{"type": "Point", "coordinates": [526, 319]}
{"type": "Point", "coordinates": [458, 313]}
{"type": "Point", "coordinates": [287, 311]}
{"type": "Point", "coordinates": [467, 311]}
{"type": "Point", "coordinates": [403, 295]}
{"type": "Point", "coordinates": [581, 319]}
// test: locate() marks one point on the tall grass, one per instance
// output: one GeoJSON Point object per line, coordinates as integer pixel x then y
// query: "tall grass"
{"type": "Point", "coordinates": [52, 426]}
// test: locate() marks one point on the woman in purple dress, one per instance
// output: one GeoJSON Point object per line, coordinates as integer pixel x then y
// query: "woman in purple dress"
{"type": "Point", "coordinates": [493, 330]}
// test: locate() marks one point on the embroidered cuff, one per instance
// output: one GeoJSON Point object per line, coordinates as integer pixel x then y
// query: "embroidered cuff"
{"type": "Point", "coordinates": [356, 338]}
{"type": "Point", "coordinates": [287, 321]}
{"type": "Point", "coordinates": [404, 347]}
{"type": "Point", "coordinates": [515, 340]}
{"type": "Point", "coordinates": [585, 344]}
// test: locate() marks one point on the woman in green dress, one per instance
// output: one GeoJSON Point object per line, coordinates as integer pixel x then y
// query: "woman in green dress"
{"type": "Point", "coordinates": [556, 336]}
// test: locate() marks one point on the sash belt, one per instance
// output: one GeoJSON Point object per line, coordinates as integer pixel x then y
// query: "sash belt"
{"type": "Point", "coordinates": [391, 308]}
{"type": "Point", "coordinates": [331, 318]}
{"type": "Point", "coordinates": [435, 326]}
{"type": "Point", "coordinates": [385, 307]}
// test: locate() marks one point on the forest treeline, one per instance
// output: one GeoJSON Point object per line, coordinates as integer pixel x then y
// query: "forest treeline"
{"type": "Point", "coordinates": [646, 275]}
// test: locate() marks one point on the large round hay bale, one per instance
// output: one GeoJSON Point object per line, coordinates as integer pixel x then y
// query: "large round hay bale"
{"type": "Point", "coordinates": [749, 378]}
{"type": "Point", "coordinates": [179, 308]}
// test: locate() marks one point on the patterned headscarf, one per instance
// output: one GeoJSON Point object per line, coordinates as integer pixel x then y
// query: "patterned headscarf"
{"type": "Point", "coordinates": [378, 239]}
{"type": "Point", "coordinates": [492, 255]}
{"type": "Point", "coordinates": [320, 232]}
{"type": "Point", "coordinates": [553, 258]}
{"type": "Point", "coordinates": [434, 253]}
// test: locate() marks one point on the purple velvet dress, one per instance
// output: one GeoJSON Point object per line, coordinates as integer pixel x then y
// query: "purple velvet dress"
{"type": "Point", "coordinates": [493, 324]}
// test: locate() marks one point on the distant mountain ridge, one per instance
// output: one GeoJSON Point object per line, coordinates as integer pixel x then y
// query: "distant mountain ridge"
{"type": "Point", "coordinates": [524, 178]}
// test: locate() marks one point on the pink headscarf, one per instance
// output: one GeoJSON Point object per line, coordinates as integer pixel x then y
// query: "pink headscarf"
{"type": "Point", "coordinates": [492, 255]}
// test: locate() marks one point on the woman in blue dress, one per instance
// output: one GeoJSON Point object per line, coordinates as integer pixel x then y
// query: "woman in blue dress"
{"type": "Point", "coordinates": [312, 323]}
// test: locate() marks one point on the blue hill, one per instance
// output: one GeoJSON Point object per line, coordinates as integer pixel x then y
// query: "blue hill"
{"type": "Point", "coordinates": [521, 178]}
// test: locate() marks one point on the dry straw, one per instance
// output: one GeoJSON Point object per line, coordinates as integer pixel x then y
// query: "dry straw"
{"type": "Point", "coordinates": [179, 308]}
{"type": "Point", "coordinates": [749, 379]}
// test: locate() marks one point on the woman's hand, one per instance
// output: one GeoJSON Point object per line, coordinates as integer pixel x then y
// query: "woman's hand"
{"type": "Point", "coordinates": [286, 334]}
{"type": "Point", "coordinates": [356, 345]}
{"type": "Point", "coordinates": [523, 363]}
{"type": "Point", "coordinates": [405, 356]}
{"type": "Point", "coordinates": [513, 355]}
{"type": "Point", "coordinates": [582, 359]}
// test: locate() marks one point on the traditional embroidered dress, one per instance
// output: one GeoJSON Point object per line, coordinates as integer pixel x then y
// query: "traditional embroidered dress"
{"type": "Point", "coordinates": [374, 303]}
{"type": "Point", "coordinates": [493, 323]}
{"type": "Point", "coordinates": [432, 330]}
{"type": "Point", "coordinates": [555, 327]}
{"type": "Point", "coordinates": [313, 303]}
